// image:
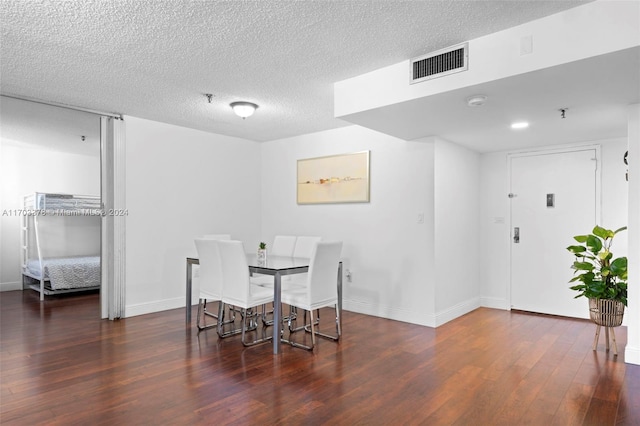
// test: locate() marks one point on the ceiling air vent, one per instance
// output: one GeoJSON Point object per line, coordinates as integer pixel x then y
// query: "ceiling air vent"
{"type": "Point", "coordinates": [438, 64]}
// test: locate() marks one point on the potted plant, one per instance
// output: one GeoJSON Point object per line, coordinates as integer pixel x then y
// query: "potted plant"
{"type": "Point", "coordinates": [602, 278]}
{"type": "Point", "coordinates": [262, 251]}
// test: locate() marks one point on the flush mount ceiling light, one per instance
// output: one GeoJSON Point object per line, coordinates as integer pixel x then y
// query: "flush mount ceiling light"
{"type": "Point", "coordinates": [519, 125]}
{"type": "Point", "coordinates": [243, 109]}
{"type": "Point", "coordinates": [476, 100]}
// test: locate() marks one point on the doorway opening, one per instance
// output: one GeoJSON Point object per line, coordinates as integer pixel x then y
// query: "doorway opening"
{"type": "Point", "coordinates": [54, 156]}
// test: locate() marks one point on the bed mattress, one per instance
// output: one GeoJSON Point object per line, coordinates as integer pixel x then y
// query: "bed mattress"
{"type": "Point", "coordinates": [67, 272]}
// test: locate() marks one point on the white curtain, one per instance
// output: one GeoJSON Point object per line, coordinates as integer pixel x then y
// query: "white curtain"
{"type": "Point", "coordinates": [114, 217]}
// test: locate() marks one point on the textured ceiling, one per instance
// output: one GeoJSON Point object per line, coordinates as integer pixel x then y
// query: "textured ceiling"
{"type": "Point", "coordinates": [157, 59]}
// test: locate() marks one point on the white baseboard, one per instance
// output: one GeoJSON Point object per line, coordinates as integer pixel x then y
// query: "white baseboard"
{"type": "Point", "coordinates": [456, 311]}
{"type": "Point", "coordinates": [10, 286]}
{"type": "Point", "coordinates": [412, 317]}
{"type": "Point", "coordinates": [151, 307]}
{"type": "Point", "coordinates": [632, 355]}
{"type": "Point", "coordinates": [420, 318]}
{"type": "Point", "coordinates": [495, 303]}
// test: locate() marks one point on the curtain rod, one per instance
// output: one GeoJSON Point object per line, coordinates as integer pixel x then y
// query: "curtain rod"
{"type": "Point", "coordinates": [55, 104]}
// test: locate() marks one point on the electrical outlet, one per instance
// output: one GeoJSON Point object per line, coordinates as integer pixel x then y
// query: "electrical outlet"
{"type": "Point", "coordinates": [347, 274]}
{"type": "Point", "coordinates": [420, 218]}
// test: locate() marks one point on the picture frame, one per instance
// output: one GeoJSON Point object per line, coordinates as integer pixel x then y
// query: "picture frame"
{"type": "Point", "coordinates": [342, 178]}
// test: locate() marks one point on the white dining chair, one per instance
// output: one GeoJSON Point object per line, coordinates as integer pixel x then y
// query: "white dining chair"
{"type": "Point", "coordinates": [238, 289]}
{"type": "Point", "coordinates": [210, 273]}
{"type": "Point", "coordinates": [216, 237]}
{"type": "Point", "coordinates": [320, 290]}
{"type": "Point", "coordinates": [283, 245]}
{"type": "Point", "coordinates": [304, 246]}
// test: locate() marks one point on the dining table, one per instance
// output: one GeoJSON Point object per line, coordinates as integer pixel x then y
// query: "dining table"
{"type": "Point", "coordinates": [276, 266]}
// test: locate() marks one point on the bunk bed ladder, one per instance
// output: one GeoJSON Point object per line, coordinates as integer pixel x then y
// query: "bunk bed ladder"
{"type": "Point", "coordinates": [24, 238]}
{"type": "Point", "coordinates": [35, 228]}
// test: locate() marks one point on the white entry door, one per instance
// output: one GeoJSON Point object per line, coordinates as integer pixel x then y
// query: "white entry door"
{"type": "Point", "coordinates": [554, 196]}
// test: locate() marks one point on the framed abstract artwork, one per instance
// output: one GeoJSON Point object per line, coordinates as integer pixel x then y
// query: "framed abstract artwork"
{"type": "Point", "coordinates": [340, 178]}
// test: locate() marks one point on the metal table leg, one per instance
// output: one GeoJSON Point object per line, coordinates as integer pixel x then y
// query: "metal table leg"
{"type": "Point", "coordinates": [189, 283]}
{"type": "Point", "coordinates": [277, 313]}
{"type": "Point", "coordinates": [340, 295]}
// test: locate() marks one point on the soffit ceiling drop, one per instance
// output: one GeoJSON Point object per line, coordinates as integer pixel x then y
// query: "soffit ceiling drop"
{"type": "Point", "coordinates": [157, 60]}
{"type": "Point", "coordinates": [596, 92]}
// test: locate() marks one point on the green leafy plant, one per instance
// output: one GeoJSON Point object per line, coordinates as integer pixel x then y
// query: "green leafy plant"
{"type": "Point", "coordinates": [262, 246]}
{"type": "Point", "coordinates": [601, 276]}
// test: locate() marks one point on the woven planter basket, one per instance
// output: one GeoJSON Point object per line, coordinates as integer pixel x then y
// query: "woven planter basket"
{"type": "Point", "coordinates": [606, 312]}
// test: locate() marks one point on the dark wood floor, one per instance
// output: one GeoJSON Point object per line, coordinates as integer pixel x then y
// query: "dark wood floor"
{"type": "Point", "coordinates": [60, 364]}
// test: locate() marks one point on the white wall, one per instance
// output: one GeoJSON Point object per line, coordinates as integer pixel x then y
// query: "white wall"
{"type": "Point", "coordinates": [457, 236]}
{"type": "Point", "coordinates": [494, 231]}
{"type": "Point", "coordinates": [632, 317]}
{"type": "Point", "coordinates": [182, 183]}
{"type": "Point", "coordinates": [391, 255]}
{"type": "Point", "coordinates": [25, 169]}
{"type": "Point", "coordinates": [494, 214]}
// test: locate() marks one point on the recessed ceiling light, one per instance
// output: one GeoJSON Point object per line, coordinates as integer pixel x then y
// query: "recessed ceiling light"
{"type": "Point", "coordinates": [519, 125]}
{"type": "Point", "coordinates": [476, 100]}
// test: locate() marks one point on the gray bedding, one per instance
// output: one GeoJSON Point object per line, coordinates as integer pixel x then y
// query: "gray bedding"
{"type": "Point", "coordinates": [67, 272]}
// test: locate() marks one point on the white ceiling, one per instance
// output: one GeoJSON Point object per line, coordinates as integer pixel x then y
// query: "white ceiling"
{"type": "Point", "coordinates": [157, 59]}
{"type": "Point", "coordinates": [38, 126]}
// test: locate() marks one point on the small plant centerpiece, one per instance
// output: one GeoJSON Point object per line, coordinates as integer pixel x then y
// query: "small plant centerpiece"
{"type": "Point", "coordinates": [602, 278]}
{"type": "Point", "coordinates": [262, 251]}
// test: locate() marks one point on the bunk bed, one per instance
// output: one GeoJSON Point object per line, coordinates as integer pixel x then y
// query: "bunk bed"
{"type": "Point", "coordinates": [51, 223]}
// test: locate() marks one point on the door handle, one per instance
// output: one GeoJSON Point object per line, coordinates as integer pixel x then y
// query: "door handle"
{"type": "Point", "coordinates": [516, 235]}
